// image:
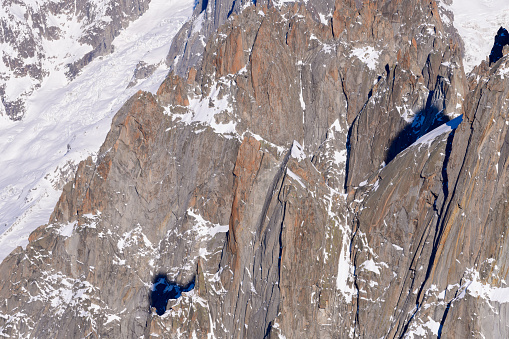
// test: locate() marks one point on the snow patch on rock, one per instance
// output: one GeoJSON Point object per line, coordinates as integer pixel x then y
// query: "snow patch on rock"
{"type": "Point", "coordinates": [448, 127]}
{"type": "Point", "coordinates": [478, 289]}
{"type": "Point", "coordinates": [206, 111]}
{"type": "Point", "coordinates": [297, 151]}
{"type": "Point", "coordinates": [344, 280]}
{"type": "Point", "coordinates": [67, 229]}
{"type": "Point", "coordinates": [368, 55]}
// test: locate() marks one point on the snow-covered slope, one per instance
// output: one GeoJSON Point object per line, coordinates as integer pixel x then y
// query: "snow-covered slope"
{"type": "Point", "coordinates": [38, 37]}
{"type": "Point", "coordinates": [478, 21]}
{"type": "Point", "coordinates": [66, 122]}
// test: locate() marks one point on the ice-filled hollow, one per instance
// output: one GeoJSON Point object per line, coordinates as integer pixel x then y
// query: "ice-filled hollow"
{"type": "Point", "coordinates": [163, 290]}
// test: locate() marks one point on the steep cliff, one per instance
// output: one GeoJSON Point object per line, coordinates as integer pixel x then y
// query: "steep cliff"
{"type": "Point", "coordinates": [307, 173]}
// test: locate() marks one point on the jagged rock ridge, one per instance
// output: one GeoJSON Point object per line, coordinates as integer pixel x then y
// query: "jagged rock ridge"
{"type": "Point", "coordinates": [290, 174]}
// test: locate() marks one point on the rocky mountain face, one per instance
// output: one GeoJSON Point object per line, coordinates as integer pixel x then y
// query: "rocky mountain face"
{"type": "Point", "coordinates": [303, 171]}
{"type": "Point", "coordinates": [42, 37]}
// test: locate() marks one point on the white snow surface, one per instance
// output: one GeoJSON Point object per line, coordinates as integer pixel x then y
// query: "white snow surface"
{"type": "Point", "coordinates": [429, 137]}
{"type": "Point", "coordinates": [422, 330]}
{"type": "Point", "coordinates": [56, 52]}
{"type": "Point", "coordinates": [476, 288]}
{"type": "Point", "coordinates": [203, 114]}
{"type": "Point", "coordinates": [298, 151]}
{"type": "Point", "coordinates": [344, 281]}
{"type": "Point", "coordinates": [295, 177]}
{"type": "Point", "coordinates": [477, 22]}
{"type": "Point", "coordinates": [371, 266]}
{"type": "Point", "coordinates": [368, 55]}
{"type": "Point", "coordinates": [66, 122]}
{"type": "Point", "coordinates": [66, 230]}
{"type": "Point", "coordinates": [204, 228]}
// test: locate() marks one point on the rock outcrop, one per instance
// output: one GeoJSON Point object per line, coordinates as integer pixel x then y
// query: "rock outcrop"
{"type": "Point", "coordinates": [310, 177]}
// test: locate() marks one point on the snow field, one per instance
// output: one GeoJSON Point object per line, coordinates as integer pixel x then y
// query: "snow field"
{"type": "Point", "coordinates": [477, 22]}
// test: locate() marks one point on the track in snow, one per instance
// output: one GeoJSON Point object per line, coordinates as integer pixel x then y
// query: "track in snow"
{"type": "Point", "coordinates": [67, 122]}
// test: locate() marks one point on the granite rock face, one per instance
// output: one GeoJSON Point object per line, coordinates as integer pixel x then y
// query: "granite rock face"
{"type": "Point", "coordinates": [303, 167]}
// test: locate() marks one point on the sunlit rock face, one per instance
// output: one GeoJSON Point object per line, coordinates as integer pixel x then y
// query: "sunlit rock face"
{"type": "Point", "coordinates": [315, 172]}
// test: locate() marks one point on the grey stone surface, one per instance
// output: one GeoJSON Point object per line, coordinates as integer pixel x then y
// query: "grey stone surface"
{"type": "Point", "coordinates": [260, 170]}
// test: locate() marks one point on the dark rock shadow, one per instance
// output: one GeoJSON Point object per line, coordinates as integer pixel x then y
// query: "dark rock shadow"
{"type": "Point", "coordinates": [424, 121]}
{"type": "Point", "coordinates": [501, 39]}
{"type": "Point", "coordinates": [163, 290]}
